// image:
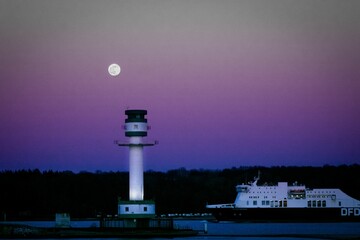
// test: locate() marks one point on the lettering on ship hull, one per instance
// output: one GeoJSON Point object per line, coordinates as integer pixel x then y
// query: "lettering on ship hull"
{"type": "Point", "coordinates": [347, 212]}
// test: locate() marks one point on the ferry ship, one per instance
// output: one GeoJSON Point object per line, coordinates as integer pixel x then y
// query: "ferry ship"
{"type": "Point", "coordinates": [290, 203]}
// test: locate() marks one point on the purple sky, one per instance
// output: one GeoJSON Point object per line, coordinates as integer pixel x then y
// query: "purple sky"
{"type": "Point", "coordinates": [226, 83]}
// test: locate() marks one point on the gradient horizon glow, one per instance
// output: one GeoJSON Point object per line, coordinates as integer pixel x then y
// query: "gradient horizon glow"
{"type": "Point", "coordinates": [225, 83]}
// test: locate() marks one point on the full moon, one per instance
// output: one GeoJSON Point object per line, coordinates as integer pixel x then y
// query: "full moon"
{"type": "Point", "coordinates": [114, 69]}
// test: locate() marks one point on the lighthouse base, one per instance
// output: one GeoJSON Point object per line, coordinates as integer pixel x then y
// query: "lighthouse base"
{"type": "Point", "coordinates": [135, 214]}
{"type": "Point", "coordinates": [136, 209]}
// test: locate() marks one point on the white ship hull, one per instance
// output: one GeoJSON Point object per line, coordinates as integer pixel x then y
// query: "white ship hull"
{"type": "Point", "coordinates": [284, 202]}
{"type": "Point", "coordinates": [287, 215]}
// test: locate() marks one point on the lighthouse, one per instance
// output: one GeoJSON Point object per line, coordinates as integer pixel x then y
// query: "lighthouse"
{"type": "Point", "coordinates": [136, 207]}
{"type": "Point", "coordinates": [137, 213]}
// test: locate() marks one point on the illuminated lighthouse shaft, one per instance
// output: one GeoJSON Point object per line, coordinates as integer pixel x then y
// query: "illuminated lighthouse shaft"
{"type": "Point", "coordinates": [136, 181]}
{"type": "Point", "coordinates": [135, 129]}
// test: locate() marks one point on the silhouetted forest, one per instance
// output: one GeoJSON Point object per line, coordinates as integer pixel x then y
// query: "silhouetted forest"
{"type": "Point", "coordinates": [33, 194]}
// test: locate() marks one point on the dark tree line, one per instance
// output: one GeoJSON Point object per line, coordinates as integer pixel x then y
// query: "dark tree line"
{"type": "Point", "coordinates": [33, 194]}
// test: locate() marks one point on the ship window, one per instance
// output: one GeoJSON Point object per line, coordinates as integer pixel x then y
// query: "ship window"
{"type": "Point", "coordinates": [323, 203]}
{"type": "Point", "coordinates": [309, 203]}
{"type": "Point", "coordinates": [267, 202]}
{"type": "Point", "coordinates": [145, 209]}
{"type": "Point", "coordinates": [280, 203]}
{"type": "Point", "coordinates": [319, 203]}
{"type": "Point", "coordinates": [314, 203]}
{"type": "Point", "coordinates": [126, 209]}
{"type": "Point", "coordinates": [263, 202]}
{"type": "Point", "coordinates": [254, 203]}
{"type": "Point", "coordinates": [339, 204]}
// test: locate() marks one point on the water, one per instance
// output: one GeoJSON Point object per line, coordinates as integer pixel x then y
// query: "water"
{"type": "Point", "coordinates": [247, 231]}
{"type": "Point", "coordinates": [252, 230]}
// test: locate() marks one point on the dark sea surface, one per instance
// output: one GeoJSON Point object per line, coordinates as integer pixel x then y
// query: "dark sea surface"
{"type": "Point", "coordinates": [248, 231]}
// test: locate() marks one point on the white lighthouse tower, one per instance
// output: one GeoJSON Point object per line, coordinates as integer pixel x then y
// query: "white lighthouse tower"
{"type": "Point", "coordinates": [135, 129]}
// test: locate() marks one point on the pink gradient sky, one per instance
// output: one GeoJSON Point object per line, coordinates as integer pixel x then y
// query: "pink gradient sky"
{"type": "Point", "coordinates": [226, 83]}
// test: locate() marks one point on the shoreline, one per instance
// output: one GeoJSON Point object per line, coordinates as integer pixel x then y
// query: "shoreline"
{"type": "Point", "coordinates": [19, 231]}
{"type": "Point", "coordinates": [15, 231]}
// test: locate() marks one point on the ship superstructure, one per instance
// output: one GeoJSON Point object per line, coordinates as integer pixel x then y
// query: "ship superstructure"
{"type": "Point", "coordinates": [287, 202]}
